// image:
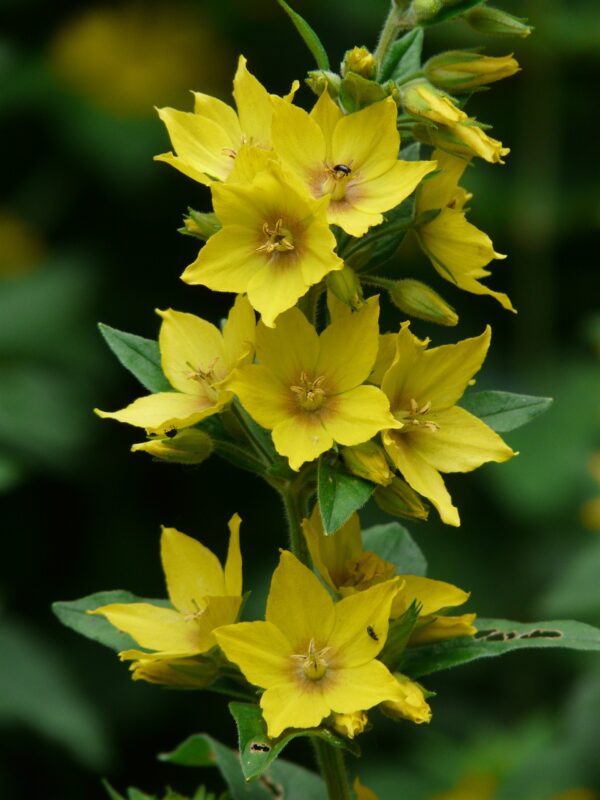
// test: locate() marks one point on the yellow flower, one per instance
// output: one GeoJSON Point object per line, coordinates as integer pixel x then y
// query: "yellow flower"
{"type": "Point", "coordinates": [204, 596]}
{"type": "Point", "coordinates": [347, 568]}
{"type": "Point", "coordinates": [457, 249]}
{"type": "Point", "coordinates": [181, 673]}
{"type": "Point", "coordinates": [274, 244]}
{"type": "Point", "coordinates": [423, 101]}
{"type": "Point", "coordinates": [307, 388]}
{"type": "Point", "coordinates": [311, 655]}
{"type": "Point", "coordinates": [196, 358]}
{"type": "Point", "coordinates": [353, 158]}
{"type": "Point", "coordinates": [207, 141]}
{"type": "Point", "coordinates": [457, 70]}
{"type": "Point", "coordinates": [412, 704]}
{"type": "Point", "coordinates": [349, 725]}
{"type": "Point", "coordinates": [423, 387]}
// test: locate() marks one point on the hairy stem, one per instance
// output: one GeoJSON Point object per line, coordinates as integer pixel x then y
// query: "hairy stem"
{"type": "Point", "coordinates": [394, 23]}
{"type": "Point", "coordinates": [333, 769]}
{"type": "Point", "coordinates": [293, 495]}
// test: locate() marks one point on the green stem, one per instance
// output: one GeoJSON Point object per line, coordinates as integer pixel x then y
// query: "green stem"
{"type": "Point", "coordinates": [333, 769]}
{"type": "Point", "coordinates": [382, 283]}
{"type": "Point", "coordinates": [391, 28]}
{"type": "Point", "coordinates": [292, 495]}
{"type": "Point", "coordinates": [255, 443]}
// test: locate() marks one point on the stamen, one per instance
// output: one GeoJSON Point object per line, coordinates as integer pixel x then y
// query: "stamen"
{"type": "Point", "coordinates": [277, 239]}
{"type": "Point", "coordinates": [199, 374]}
{"type": "Point", "coordinates": [229, 151]}
{"type": "Point", "coordinates": [309, 393]}
{"type": "Point", "coordinates": [416, 412]}
{"type": "Point", "coordinates": [314, 664]}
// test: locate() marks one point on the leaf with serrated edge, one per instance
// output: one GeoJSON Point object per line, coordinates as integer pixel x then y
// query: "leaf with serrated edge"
{"type": "Point", "coordinates": [139, 355]}
{"type": "Point", "coordinates": [505, 411]}
{"type": "Point", "coordinates": [339, 494]}
{"type": "Point", "coordinates": [393, 543]}
{"type": "Point", "coordinates": [309, 37]}
{"type": "Point", "coordinates": [72, 613]}
{"type": "Point", "coordinates": [496, 637]}
{"type": "Point", "coordinates": [257, 751]}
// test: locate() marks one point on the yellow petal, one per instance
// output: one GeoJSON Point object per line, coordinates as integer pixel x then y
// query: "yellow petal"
{"type": "Point", "coordinates": [275, 288]}
{"type": "Point", "coordinates": [262, 394]}
{"type": "Point", "coordinates": [390, 188]}
{"type": "Point", "coordinates": [163, 411]}
{"type": "Point", "coordinates": [432, 596]}
{"type": "Point", "coordinates": [219, 611]}
{"type": "Point", "coordinates": [386, 353]}
{"type": "Point", "coordinates": [290, 349]}
{"type": "Point", "coordinates": [330, 554]}
{"type": "Point", "coordinates": [357, 415]}
{"type": "Point", "coordinates": [221, 114]}
{"type": "Point", "coordinates": [283, 706]}
{"type": "Point", "coordinates": [361, 624]}
{"type": "Point", "coordinates": [198, 142]}
{"type": "Point", "coordinates": [191, 570]}
{"type": "Point", "coordinates": [439, 190]}
{"type": "Point", "coordinates": [423, 478]}
{"type": "Point", "coordinates": [299, 605]}
{"type": "Point", "coordinates": [360, 688]}
{"type": "Point", "coordinates": [318, 258]}
{"type": "Point", "coordinates": [348, 348]}
{"type": "Point", "coordinates": [368, 140]}
{"type": "Point", "coordinates": [459, 252]}
{"type": "Point", "coordinates": [154, 627]}
{"type": "Point", "coordinates": [410, 704]}
{"type": "Point", "coordinates": [352, 220]}
{"type": "Point", "coordinates": [253, 104]}
{"type": "Point", "coordinates": [301, 438]}
{"type": "Point", "coordinates": [259, 649]}
{"type": "Point", "coordinates": [233, 564]}
{"type": "Point", "coordinates": [438, 376]}
{"type": "Point", "coordinates": [298, 141]}
{"type": "Point", "coordinates": [184, 167]}
{"type": "Point", "coordinates": [461, 444]}
{"type": "Point", "coordinates": [189, 346]}
{"type": "Point", "coordinates": [441, 628]}
{"type": "Point", "coordinates": [363, 792]}
{"type": "Point", "coordinates": [239, 332]}
{"type": "Point", "coordinates": [326, 113]}
{"type": "Point", "coordinates": [227, 262]}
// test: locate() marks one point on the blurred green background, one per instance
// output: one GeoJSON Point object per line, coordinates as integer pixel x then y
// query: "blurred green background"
{"type": "Point", "coordinates": [88, 233]}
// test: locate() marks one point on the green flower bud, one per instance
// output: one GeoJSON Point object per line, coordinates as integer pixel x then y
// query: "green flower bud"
{"type": "Point", "coordinates": [457, 71]}
{"type": "Point", "coordinates": [491, 20]}
{"type": "Point", "coordinates": [189, 446]}
{"type": "Point", "coordinates": [368, 461]}
{"type": "Point", "coordinates": [399, 500]}
{"type": "Point", "coordinates": [423, 10]}
{"type": "Point", "coordinates": [344, 284]}
{"type": "Point", "coordinates": [200, 225]}
{"type": "Point", "coordinates": [320, 80]}
{"type": "Point", "coordinates": [419, 300]}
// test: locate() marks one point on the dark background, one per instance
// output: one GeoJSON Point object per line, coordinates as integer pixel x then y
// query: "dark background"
{"type": "Point", "coordinates": [88, 232]}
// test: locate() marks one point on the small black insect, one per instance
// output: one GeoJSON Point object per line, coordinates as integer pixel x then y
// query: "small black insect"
{"type": "Point", "coordinates": [342, 169]}
{"type": "Point", "coordinates": [259, 748]}
{"type": "Point", "coordinates": [171, 433]}
{"type": "Point", "coordinates": [372, 633]}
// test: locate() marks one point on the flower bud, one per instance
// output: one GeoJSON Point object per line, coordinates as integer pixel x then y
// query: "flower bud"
{"type": "Point", "coordinates": [344, 284]}
{"type": "Point", "coordinates": [361, 61]}
{"type": "Point", "coordinates": [320, 80]}
{"type": "Point", "coordinates": [349, 725]}
{"type": "Point", "coordinates": [411, 703]}
{"type": "Point", "coordinates": [200, 225]}
{"type": "Point", "coordinates": [491, 20]}
{"type": "Point", "coordinates": [418, 300]}
{"type": "Point", "coordinates": [368, 461]}
{"type": "Point", "coordinates": [399, 500]}
{"type": "Point", "coordinates": [457, 71]}
{"type": "Point", "coordinates": [423, 10]}
{"type": "Point", "coordinates": [189, 446]}
{"type": "Point", "coordinates": [182, 673]}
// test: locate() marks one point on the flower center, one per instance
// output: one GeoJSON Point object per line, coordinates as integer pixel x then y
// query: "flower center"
{"type": "Point", "coordinates": [336, 179]}
{"type": "Point", "coordinates": [314, 663]}
{"type": "Point", "coordinates": [278, 239]}
{"type": "Point", "coordinates": [309, 393]}
{"type": "Point", "coordinates": [366, 570]}
{"type": "Point", "coordinates": [415, 417]}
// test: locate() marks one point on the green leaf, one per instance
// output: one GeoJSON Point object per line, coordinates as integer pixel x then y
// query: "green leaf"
{"type": "Point", "coordinates": [309, 37]}
{"type": "Point", "coordinates": [357, 92]}
{"type": "Point", "coordinates": [403, 58]}
{"type": "Point", "coordinates": [258, 752]}
{"type": "Point", "coordinates": [398, 635]}
{"type": "Point", "coordinates": [202, 750]}
{"type": "Point", "coordinates": [393, 543]}
{"type": "Point", "coordinates": [339, 494]}
{"type": "Point", "coordinates": [381, 242]}
{"type": "Point", "coordinates": [452, 11]}
{"type": "Point", "coordinates": [114, 795]}
{"type": "Point", "coordinates": [576, 588]}
{"type": "Point", "coordinates": [496, 637]}
{"type": "Point", "coordinates": [505, 411]}
{"type": "Point", "coordinates": [73, 614]}
{"type": "Point", "coordinates": [139, 355]}
{"type": "Point", "coordinates": [297, 783]}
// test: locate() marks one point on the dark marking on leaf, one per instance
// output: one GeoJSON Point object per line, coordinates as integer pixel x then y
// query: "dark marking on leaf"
{"type": "Point", "coordinates": [507, 636]}
{"type": "Point", "coordinates": [260, 747]}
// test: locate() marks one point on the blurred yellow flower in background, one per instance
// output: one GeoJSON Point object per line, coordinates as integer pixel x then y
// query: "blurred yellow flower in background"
{"type": "Point", "coordinates": [21, 246]}
{"type": "Point", "coordinates": [129, 59]}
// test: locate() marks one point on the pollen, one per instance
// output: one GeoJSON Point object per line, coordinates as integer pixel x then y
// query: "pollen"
{"type": "Point", "coordinates": [313, 664]}
{"type": "Point", "coordinates": [277, 239]}
{"type": "Point", "coordinates": [309, 393]}
{"type": "Point", "coordinates": [416, 414]}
